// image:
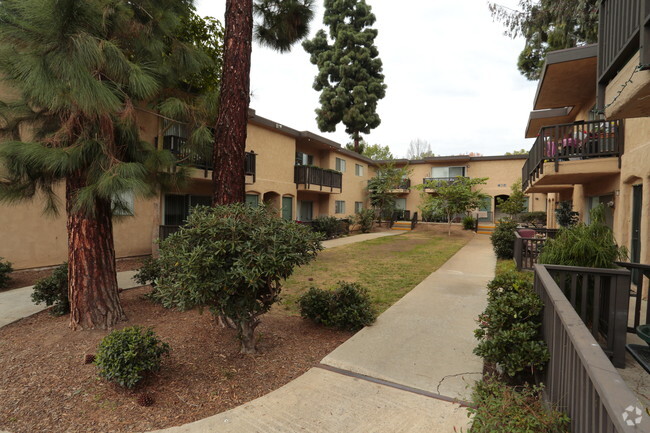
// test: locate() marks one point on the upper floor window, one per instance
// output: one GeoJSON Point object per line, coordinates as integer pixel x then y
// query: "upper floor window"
{"type": "Point", "coordinates": [304, 159]}
{"type": "Point", "coordinates": [123, 204]}
{"type": "Point", "coordinates": [358, 169]}
{"type": "Point", "coordinates": [340, 165]}
{"type": "Point", "coordinates": [447, 172]}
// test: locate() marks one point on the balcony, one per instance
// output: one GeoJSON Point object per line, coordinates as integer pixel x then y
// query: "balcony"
{"type": "Point", "coordinates": [178, 146]}
{"type": "Point", "coordinates": [623, 55]}
{"type": "Point", "coordinates": [316, 179]}
{"type": "Point", "coordinates": [573, 153]}
{"type": "Point", "coordinates": [437, 181]}
{"type": "Point", "coordinates": [403, 188]}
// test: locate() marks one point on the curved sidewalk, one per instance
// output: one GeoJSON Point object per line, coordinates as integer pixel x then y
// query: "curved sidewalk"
{"type": "Point", "coordinates": [399, 375]}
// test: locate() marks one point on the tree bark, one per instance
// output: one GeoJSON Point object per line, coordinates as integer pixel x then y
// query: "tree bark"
{"type": "Point", "coordinates": [230, 139]}
{"type": "Point", "coordinates": [92, 280]}
{"type": "Point", "coordinates": [246, 328]}
{"type": "Point", "coordinates": [356, 142]}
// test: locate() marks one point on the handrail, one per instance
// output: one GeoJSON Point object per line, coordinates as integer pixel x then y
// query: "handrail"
{"type": "Point", "coordinates": [579, 379]}
{"type": "Point", "coordinates": [414, 220]}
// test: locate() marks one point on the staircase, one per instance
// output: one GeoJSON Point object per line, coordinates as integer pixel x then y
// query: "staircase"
{"type": "Point", "coordinates": [485, 228]}
{"type": "Point", "coordinates": [402, 225]}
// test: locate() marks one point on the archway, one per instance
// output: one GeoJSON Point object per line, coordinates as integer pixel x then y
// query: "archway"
{"type": "Point", "coordinates": [273, 200]}
{"type": "Point", "coordinates": [498, 213]}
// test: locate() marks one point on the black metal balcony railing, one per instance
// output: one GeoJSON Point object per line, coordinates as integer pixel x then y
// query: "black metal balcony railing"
{"type": "Point", "coordinates": [623, 27]}
{"type": "Point", "coordinates": [580, 140]}
{"type": "Point", "coordinates": [579, 379]}
{"type": "Point", "coordinates": [309, 175]}
{"type": "Point", "coordinates": [405, 184]}
{"type": "Point", "coordinates": [178, 146]}
{"type": "Point", "coordinates": [440, 179]}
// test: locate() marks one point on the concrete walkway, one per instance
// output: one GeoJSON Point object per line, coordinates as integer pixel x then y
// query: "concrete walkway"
{"type": "Point", "coordinates": [16, 304]}
{"type": "Point", "coordinates": [399, 375]}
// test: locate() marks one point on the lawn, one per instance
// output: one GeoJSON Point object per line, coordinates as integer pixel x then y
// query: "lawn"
{"type": "Point", "coordinates": [388, 267]}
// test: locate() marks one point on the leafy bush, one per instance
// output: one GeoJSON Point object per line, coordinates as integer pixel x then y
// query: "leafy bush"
{"type": "Point", "coordinates": [148, 273]}
{"type": "Point", "coordinates": [469, 222]}
{"type": "Point", "coordinates": [508, 330]}
{"type": "Point", "coordinates": [348, 307]}
{"type": "Point", "coordinates": [590, 245]}
{"type": "Point", "coordinates": [329, 226]}
{"type": "Point", "coordinates": [53, 290]}
{"type": "Point", "coordinates": [232, 259]}
{"type": "Point", "coordinates": [536, 219]}
{"type": "Point", "coordinates": [565, 215]}
{"type": "Point", "coordinates": [501, 408]}
{"type": "Point", "coordinates": [366, 220]}
{"type": "Point", "coordinates": [503, 239]}
{"type": "Point", "coordinates": [5, 270]}
{"type": "Point", "coordinates": [124, 356]}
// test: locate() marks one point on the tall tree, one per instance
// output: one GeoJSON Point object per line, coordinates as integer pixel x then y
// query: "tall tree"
{"type": "Point", "coordinates": [548, 25]}
{"type": "Point", "coordinates": [349, 75]}
{"type": "Point", "coordinates": [419, 149]}
{"type": "Point", "coordinates": [283, 22]}
{"type": "Point", "coordinates": [80, 69]}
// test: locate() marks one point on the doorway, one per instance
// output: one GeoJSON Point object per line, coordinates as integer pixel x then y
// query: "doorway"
{"type": "Point", "coordinates": [635, 244]}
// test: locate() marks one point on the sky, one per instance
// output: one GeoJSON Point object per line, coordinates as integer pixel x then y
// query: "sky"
{"type": "Point", "coordinates": [451, 74]}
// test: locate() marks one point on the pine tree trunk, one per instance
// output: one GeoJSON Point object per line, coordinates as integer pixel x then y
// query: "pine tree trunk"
{"type": "Point", "coordinates": [230, 141]}
{"type": "Point", "coordinates": [356, 142]}
{"type": "Point", "coordinates": [92, 281]}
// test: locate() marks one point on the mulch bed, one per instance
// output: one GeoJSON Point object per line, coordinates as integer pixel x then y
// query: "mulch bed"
{"type": "Point", "coordinates": [46, 387]}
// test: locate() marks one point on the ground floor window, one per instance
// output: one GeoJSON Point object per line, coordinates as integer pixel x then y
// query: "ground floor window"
{"type": "Point", "coordinates": [178, 207]}
{"type": "Point", "coordinates": [358, 206]}
{"type": "Point", "coordinates": [339, 206]}
{"type": "Point", "coordinates": [123, 204]}
{"type": "Point", "coordinates": [305, 210]}
{"type": "Point", "coordinates": [253, 200]}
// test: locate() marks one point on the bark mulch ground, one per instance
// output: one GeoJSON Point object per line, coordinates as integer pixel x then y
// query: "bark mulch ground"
{"type": "Point", "coordinates": [46, 387]}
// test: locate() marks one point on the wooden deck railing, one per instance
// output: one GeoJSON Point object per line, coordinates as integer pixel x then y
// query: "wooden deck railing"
{"type": "Point", "coordinates": [579, 378]}
{"type": "Point", "coordinates": [527, 249]}
{"type": "Point", "coordinates": [308, 175]}
{"type": "Point", "coordinates": [572, 141]}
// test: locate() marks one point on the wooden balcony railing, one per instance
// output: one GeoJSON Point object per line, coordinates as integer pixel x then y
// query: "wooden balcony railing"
{"type": "Point", "coordinates": [528, 245]}
{"type": "Point", "coordinates": [624, 29]}
{"type": "Point", "coordinates": [572, 141]}
{"type": "Point", "coordinates": [178, 146]}
{"type": "Point", "coordinates": [309, 175]}
{"type": "Point", "coordinates": [579, 379]}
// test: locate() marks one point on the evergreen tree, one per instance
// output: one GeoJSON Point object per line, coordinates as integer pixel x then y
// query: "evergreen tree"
{"type": "Point", "coordinates": [548, 25]}
{"type": "Point", "coordinates": [80, 71]}
{"type": "Point", "coordinates": [283, 22]}
{"type": "Point", "coordinates": [349, 75]}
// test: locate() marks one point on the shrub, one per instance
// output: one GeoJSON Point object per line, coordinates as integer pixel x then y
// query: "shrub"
{"type": "Point", "coordinates": [329, 226]}
{"type": "Point", "coordinates": [536, 219]}
{"type": "Point", "coordinates": [497, 407]}
{"type": "Point", "coordinates": [232, 259]}
{"type": "Point", "coordinates": [565, 215]}
{"type": "Point", "coordinates": [503, 239]}
{"type": "Point", "coordinates": [53, 290]}
{"type": "Point", "coordinates": [348, 307]}
{"type": "Point", "coordinates": [366, 220]}
{"type": "Point", "coordinates": [148, 273]}
{"type": "Point", "coordinates": [124, 356]}
{"type": "Point", "coordinates": [508, 330]}
{"type": "Point", "coordinates": [5, 270]}
{"type": "Point", "coordinates": [590, 245]}
{"type": "Point", "coordinates": [469, 222]}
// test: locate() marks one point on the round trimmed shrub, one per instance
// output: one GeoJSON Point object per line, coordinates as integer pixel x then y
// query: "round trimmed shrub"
{"type": "Point", "coordinates": [503, 239]}
{"type": "Point", "coordinates": [348, 307]}
{"type": "Point", "coordinates": [125, 356]}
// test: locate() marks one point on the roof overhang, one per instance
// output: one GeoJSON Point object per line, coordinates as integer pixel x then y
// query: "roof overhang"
{"type": "Point", "coordinates": [568, 78]}
{"type": "Point", "coordinates": [552, 116]}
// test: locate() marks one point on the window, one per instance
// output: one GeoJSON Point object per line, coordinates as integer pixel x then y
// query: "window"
{"type": "Point", "coordinates": [340, 165]}
{"type": "Point", "coordinates": [304, 159]}
{"type": "Point", "coordinates": [358, 206]}
{"type": "Point", "coordinates": [339, 206]}
{"type": "Point", "coordinates": [358, 169]}
{"type": "Point", "coordinates": [123, 204]}
{"type": "Point", "coordinates": [178, 207]}
{"type": "Point", "coordinates": [446, 172]}
{"type": "Point", "coordinates": [253, 199]}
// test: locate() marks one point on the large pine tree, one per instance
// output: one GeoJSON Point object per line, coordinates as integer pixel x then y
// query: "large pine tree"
{"type": "Point", "coordinates": [81, 69]}
{"type": "Point", "coordinates": [349, 75]}
{"type": "Point", "coordinates": [283, 22]}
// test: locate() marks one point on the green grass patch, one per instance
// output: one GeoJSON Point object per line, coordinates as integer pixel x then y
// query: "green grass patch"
{"type": "Point", "coordinates": [388, 267]}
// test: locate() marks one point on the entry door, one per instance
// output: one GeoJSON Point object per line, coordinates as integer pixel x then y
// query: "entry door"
{"type": "Point", "coordinates": [635, 250]}
{"type": "Point", "coordinates": [306, 210]}
{"type": "Point", "coordinates": [287, 208]}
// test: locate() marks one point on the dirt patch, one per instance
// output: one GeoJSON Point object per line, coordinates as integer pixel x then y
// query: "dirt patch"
{"type": "Point", "coordinates": [29, 277]}
{"type": "Point", "coordinates": [45, 385]}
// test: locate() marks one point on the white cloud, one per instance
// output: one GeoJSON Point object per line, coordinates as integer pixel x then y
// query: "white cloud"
{"type": "Point", "coordinates": [451, 75]}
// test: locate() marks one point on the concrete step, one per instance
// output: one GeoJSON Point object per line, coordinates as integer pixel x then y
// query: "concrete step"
{"type": "Point", "coordinates": [406, 229]}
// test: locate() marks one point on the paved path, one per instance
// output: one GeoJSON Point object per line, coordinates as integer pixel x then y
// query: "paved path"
{"type": "Point", "coordinates": [395, 376]}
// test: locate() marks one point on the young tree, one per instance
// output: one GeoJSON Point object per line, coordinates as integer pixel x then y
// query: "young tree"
{"type": "Point", "coordinates": [233, 259]}
{"type": "Point", "coordinates": [283, 22]}
{"type": "Point", "coordinates": [80, 68]}
{"type": "Point", "coordinates": [516, 202]}
{"type": "Point", "coordinates": [349, 75]}
{"type": "Point", "coordinates": [419, 149]}
{"type": "Point", "coordinates": [380, 188]}
{"type": "Point", "coordinates": [548, 25]}
{"type": "Point", "coordinates": [452, 197]}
